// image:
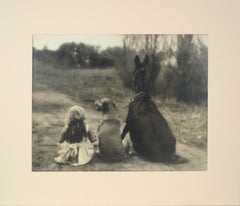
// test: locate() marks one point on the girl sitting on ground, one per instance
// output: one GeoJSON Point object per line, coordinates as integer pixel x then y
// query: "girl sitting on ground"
{"type": "Point", "coordinates": [77, 141]}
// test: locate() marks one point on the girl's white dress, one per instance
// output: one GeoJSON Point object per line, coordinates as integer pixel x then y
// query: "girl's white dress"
{"type": "Point", "coordinates": [85, 152]}
{"type": "Point", "coordinates": [82, 151]}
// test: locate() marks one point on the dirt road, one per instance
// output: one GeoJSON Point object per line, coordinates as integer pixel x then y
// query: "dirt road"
{"type": "Point", "coordinates": [49, 110]}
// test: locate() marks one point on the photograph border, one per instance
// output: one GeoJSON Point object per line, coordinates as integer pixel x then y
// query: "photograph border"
{"type": "Point", "coordinates": [217, 186]}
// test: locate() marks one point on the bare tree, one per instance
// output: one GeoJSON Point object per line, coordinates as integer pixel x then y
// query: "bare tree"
{"type": "Point", "coordinates": [180, 59]}
{"type": "Point", "coordinates": [146, 44]}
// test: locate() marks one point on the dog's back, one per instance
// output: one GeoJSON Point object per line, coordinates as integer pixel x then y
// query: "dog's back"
{"type": "Point", "coordinates": [110, 141]}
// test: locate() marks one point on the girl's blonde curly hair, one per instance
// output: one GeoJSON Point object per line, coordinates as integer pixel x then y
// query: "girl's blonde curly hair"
{"type": "Point", "coordinates": [76, 113]}
{"type": "Point", "coordinates": [75, 128]}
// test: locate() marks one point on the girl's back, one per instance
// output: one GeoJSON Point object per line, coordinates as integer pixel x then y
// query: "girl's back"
{"type": "Point", "coordinates": [74, 132]}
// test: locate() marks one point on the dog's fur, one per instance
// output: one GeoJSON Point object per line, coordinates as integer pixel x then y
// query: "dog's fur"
{"type": "Point", "coordinates": [110, 141]}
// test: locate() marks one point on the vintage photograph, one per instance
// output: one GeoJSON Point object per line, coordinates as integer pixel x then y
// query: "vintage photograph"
{"type": "Point", "coordinates": [127, 102]}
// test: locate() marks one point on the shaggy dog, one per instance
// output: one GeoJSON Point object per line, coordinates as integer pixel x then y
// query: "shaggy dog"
{"type": "Point", "coordinates": [110, 142]}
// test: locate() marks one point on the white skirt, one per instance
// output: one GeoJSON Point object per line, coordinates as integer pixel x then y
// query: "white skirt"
{"type": "Point", "coordinates": [83, 151]}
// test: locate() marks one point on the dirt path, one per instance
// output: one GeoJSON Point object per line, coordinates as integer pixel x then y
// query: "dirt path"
{"type": "Point", "coordinates": [49, 110]}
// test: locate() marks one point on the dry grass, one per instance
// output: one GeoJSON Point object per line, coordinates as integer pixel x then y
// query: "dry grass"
{"type": "Point", "coordinates": [188, 122]}
{"type": "Point", "coordinates": [54, 91]}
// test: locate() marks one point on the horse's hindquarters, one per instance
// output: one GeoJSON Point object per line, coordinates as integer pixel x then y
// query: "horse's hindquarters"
{"type": "Point", "coordinates": [151, 140]}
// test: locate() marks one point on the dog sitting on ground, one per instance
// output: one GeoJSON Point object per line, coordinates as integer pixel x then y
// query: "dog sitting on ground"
{"type": "Point", "coordinates": [110, 142]}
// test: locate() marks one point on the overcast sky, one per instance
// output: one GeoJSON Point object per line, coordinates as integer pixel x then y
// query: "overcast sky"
{"type": "Point", "coordinates": [54, 41]}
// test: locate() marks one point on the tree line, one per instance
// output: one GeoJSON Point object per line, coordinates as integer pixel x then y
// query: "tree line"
{"type": "Point", "coordinates": [73, 56]}
{"type": "Point", "coordinates": [178, 64]}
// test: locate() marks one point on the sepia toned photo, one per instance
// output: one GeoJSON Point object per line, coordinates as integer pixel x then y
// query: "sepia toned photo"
{"type": "Point", "coordinates": [127, 102]}
{"type": "Point", "coordinates": [120, 103]}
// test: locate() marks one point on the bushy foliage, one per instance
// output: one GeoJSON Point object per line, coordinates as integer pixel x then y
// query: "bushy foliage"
{"type": "Point", "coordinates": [46, 56]}
{"type": "Point", "coordinates": [72, 55]}
{"type": "Point", "coordinates": [187, 80]}
{"type": "Point", "coordinates": [124, 64]}
{"type": "Point", "coordinates": [140, 45]}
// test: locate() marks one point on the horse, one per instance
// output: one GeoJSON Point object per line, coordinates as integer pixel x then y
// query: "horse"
{"type": "Point", "coordinates": [150, 134]}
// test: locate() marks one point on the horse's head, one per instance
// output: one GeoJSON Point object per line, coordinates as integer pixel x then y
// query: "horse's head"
{"type": "Point", "coordinates": [141, 75]}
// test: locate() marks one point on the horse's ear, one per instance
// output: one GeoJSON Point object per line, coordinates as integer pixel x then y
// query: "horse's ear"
{"type": "Point", "coordinates": [114, 105]}
{"type": "Point", "coordinates": [105, 107]}
{"type": "Point", "coordinates": [137, 62]}
{"type": "Point", "coordinates": [146, 60]}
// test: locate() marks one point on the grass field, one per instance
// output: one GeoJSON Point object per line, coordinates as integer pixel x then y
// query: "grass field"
{"type": "Point", "coordinates": [55, 91]}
